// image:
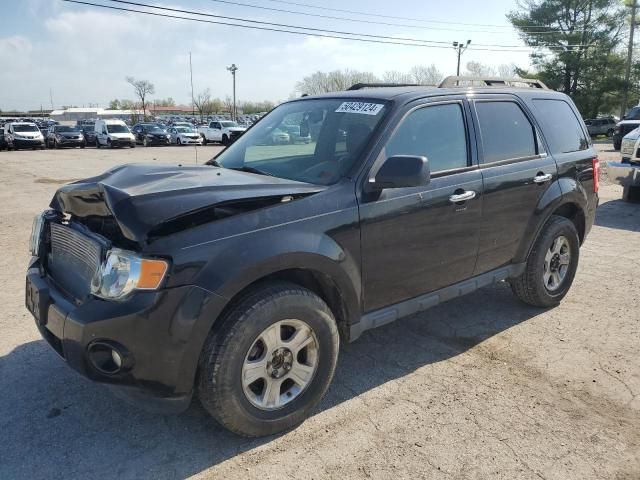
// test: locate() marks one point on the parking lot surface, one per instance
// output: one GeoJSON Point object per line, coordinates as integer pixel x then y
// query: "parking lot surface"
{"type": "Point", "coordinates": [480, 387]}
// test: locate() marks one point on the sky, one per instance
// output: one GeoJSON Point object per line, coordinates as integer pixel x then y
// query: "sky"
{"type": "Point", "coordinates": [69, 54]}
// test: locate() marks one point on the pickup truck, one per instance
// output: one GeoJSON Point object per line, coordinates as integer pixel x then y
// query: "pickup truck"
{"type": "Point", "coordinates": [223, 131]}
{"type": "Point", "coordinates": [626, 172]}
{"type": "Point", "coordinates": [238, 281]}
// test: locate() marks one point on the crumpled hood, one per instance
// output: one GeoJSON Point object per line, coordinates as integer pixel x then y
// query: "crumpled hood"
{"type": "Point", "coordinates": [140, 197]}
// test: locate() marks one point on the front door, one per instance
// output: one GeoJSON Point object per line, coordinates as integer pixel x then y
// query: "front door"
{"type": "Point", "coordinates": [417, 240]}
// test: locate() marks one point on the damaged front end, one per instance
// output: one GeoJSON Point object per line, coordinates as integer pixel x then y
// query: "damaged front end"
{"type": "Point", "coordinates": [133, 204]}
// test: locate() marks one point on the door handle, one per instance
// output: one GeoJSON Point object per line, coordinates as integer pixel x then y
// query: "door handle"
{"type": "Point", "coordinates": [542, 178]}
{"type": "Point", "coordinates": [462, 197]}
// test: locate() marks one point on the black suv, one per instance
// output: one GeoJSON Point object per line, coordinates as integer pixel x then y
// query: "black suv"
{"type": "Point", "coordinates": [236, 281]}
{"type": "Point", "coordinates": [150, 134]}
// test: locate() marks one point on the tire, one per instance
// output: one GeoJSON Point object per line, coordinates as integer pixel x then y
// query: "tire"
{"type": "Point", "coordinates": [82, 146]}
{"type": "Point", "coordinates": [532, 287]}
{"type": "Point", "coordinates": [178, 142]}
{"type": "Point", "coordinates": [617, 145]}
{"type": "Point", "coordinates": [225, 140]}
{"type": "Point", "coordinates": [98, 143]}
{"type": "Point", "coordinates": [227, 350]}
{"type": "Point", "coordinates": [109, 143]}
{"type": "Point", "coordinates": [56, 145]}
{"type": "Point", "coordinates": [204, 139]}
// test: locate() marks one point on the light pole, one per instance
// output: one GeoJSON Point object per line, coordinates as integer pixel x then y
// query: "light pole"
{"type": "Point", "coordinates": [233, 69]}
{"type": "Point", "coordinates": [460, 48]}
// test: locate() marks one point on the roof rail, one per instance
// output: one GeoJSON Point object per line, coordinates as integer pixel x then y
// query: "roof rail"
{"type": "Point", "coordinates": [360, 86]}
{"type": "Point", "coordinates": [457, 81]}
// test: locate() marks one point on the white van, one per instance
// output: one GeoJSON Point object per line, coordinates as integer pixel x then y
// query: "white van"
{"type": "Point", "coordinates": [113, 133]}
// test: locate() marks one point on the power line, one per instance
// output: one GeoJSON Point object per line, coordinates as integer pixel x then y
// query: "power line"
{"type": "Point", "coordinates": [393, 17]}
{"type": "Point", "coordinates": [336, 32]}
{"type": "Point", "coordinates": [293, 32]}
{"type": "Point", "coordinates": [373, 22]}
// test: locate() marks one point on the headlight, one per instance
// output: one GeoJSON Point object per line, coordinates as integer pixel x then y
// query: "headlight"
{"type": "Point", "coordinates": [168, 136]}
{"type": "Point", "coordinates": [123, 271]}
{"type": "Point", "coordinates": [36, 234]}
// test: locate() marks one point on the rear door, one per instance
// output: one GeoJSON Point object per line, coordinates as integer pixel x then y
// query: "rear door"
{"type": "Point", "coordinates": [516, 173]}
{"type": "Point", "coordinates": [419, 239]}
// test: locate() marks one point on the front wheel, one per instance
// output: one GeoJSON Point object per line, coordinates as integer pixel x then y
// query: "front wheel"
{"type": "Point", "coordinates": [551, 265]}
{"type": "Point", "coordinates": [204, 140]}
{"type": "Point", "coordinates": [270, 361]}
{"type": "Point", "coordinates": [225, 140]}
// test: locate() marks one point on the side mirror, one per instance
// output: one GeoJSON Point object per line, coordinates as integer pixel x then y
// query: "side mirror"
{"type": "Point", "coordinates": [402, 171]}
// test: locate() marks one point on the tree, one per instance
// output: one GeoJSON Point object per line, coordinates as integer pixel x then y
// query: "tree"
{"type": "Point", "coordinates": [142, 89]}
{"type": "Point", "coordinates": [324, 82]}
{"type": "Point", "coordinates": [202, 103]}
{"type": "Point", "coordinates": [227, 103]}
{"type": "Point", "coordinates": [573, 40]}
{"type": "Point", "coordinates": [122, 104]}
{"type": "Point", "coordinates": [426, 75]}
{"type": "Point", "coordinates": [165, 102]}
{"type": "Point", "coordinates": [394, 76]}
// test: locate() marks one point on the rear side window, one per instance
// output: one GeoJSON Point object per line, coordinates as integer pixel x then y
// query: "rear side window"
{"type": "Point", "coordinates": [506, 131]}
{"type": "Point", "coordinates": [561, 127]}
{"type": "Point", "coordinates": [436, 132]}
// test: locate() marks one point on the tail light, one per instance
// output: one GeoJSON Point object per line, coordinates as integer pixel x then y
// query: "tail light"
{"type": "Point", "coordinates": [595, 162]}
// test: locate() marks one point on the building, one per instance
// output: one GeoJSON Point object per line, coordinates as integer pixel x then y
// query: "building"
{"type": "Point", "coordinates": [74, 114]}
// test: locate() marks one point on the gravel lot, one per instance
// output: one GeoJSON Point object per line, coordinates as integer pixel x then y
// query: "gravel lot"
{"type": "Point", "coordinates": [481, 387]}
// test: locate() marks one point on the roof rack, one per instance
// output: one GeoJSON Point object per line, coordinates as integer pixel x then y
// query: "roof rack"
{"type": "Point", "coordinates": [360, 86]}
{"type": "Point", "coordinates": [458, 81]}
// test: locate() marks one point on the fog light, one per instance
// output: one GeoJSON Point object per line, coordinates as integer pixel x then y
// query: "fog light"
{"type": "Point", "coordinates": [117, 359]}
{"type": "Point", "coordinates": [106, 357]}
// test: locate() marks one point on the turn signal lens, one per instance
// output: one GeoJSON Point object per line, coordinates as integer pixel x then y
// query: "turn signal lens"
{"type": "Point", "coordinates": [151, 273]}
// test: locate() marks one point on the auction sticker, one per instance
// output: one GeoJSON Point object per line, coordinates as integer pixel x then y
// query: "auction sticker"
{"type": "Point", "coordinates": [360, 107]}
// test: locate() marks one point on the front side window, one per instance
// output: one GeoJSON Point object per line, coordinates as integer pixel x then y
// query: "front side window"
{"type": "Point", "coordinates": [315, 141]}
{"type": "Point", "coordinates": [560, 126]}
{"type": "Point", "coordinates": [506, 131]}
{"type": "Point", "coordinates": [436, 132]}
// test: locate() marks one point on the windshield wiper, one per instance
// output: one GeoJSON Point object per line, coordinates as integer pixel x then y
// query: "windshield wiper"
{"type": "Point", "coordinates": [247, 169]}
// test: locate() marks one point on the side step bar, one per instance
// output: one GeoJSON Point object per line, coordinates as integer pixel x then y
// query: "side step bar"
{"type": "Point", "coordinates": [392, 313]}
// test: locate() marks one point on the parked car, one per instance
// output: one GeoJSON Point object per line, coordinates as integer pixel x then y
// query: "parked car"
{"type": "Point", "coordinates": [60, 136]}
{"type": "Point", "coordinates": [3, 141]}
{"type": "Point", "coordinates": [113, 133]}
{"type": "Point", "coordinates": [237, 281]}
{"type": "Point", "coordinates": [222, 131]}
{"type": "Point", "coordinates": [181, 135]}
{"type": "Point", "coordinates": [89, 132]}
{"type": "Point", "coordinates": [23, 135]}
{"type": "Point", "coordinates": [150, 134]}
{"type": "Point", "coordinates": [629, 122]}
{"type": "Point", "coordinates": [627, 171]}
{"type": "Point", "coordinates": [601, 126]}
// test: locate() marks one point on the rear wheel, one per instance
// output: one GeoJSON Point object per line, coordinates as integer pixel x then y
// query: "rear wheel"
{"type": "Point", "coordinates": [270, 361]}
{"type": "Point", "coordinates": [204, 139]}
{"type": "Point", "coordinates": [551, 265]}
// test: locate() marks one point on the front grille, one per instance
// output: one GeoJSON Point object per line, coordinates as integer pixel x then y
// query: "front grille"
{"type": "Point", "coordinates": [235, 135]}
{"type": "Point", "coordinates": [73, 260]}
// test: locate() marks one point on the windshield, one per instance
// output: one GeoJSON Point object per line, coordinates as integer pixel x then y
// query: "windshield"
{"type": "Point", "coordinates": [154, 129]}
{"type": "Point", "coordinates": [184, 130]}
{"type": "Point", "coordinates": [313, 141]}
{"type": "Point", "coordinates": [633, 114]}
{"type": "Point", "coordinates": [228, 124]}
{"type": "Point", "coordinates": [67, 129]}
{"type": "Point", "coordinates": [25, 128]}
{"type": "Point", "coordinates": [117, 129]}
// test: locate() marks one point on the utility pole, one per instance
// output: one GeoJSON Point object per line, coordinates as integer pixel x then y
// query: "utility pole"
{"type": "Point", "coordinates": [233, 69]}
{"type": "Point", "coordinates": [627, 75]}
{"type": "Point", "coordinates": [193, 105]}
{"type": "Point", "coordinates": [51, 98]}
{"type": "Point", "coordinates": [460, 47]}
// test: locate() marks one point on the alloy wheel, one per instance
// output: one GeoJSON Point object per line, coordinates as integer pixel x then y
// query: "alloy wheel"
{"type": "Point", "coordinates": [280, 364]}
{"type": "Point", "coordinates": [556, 263]}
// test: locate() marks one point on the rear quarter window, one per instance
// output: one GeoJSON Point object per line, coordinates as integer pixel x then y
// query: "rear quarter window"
{"type": "Point", "coordinates": [560, 126]}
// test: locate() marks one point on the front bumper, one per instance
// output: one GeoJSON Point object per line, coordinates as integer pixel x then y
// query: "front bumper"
{"type": "Point", "coordinates": [159, 335]}
{"type": "Point", "coordinates": [21, 143]}
{"type": "Point", "coordinates": [71, 142]}
{"type": "Point", "coordinates": [624, 173]}
{"type": "Point", "coordinates": [158, 141]}
{"type": "Point", "coordinates": [122, 142]}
